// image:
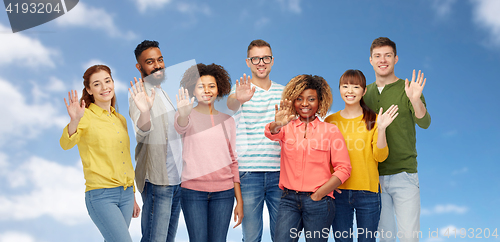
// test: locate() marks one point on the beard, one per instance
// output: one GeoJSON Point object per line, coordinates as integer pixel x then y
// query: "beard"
{"type": "Point", "coordinates": [156, 77]}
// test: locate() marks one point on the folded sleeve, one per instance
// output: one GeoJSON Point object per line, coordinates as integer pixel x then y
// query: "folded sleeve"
{"type": "Point", "coordinates": [274, 137]}
{"type": "Point", "coordinates": [67, 142]}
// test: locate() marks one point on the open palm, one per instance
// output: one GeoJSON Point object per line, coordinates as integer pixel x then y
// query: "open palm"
{"type": "Point", "coordinates": [283, 115]}
{"type": "Point", "coordinates": [386, 119]}
{"type": "Point", "coordinates": [75, 109]}
{"type": "Point", "coordinates": [140, 97]}
{"type": "Point", "coordinates": [414, 88]}
{"type": "Point", "coordinates": [244, 90]}
{"type": "Point", "coordinates": [184, 104]}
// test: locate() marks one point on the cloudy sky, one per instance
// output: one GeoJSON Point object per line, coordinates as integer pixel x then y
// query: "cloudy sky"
{"type": "Point", "coordinates": [456, 43]}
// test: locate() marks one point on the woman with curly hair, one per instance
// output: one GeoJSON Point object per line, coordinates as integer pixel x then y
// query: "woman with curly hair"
{"type": "Point", "coordinates": [210, 177]}
{"type": "Point", "coordinates": [364, 133]}
{"type": "Point", "coordinates": [102, 138]}
{"type": "Point", "coordinates": [309, 147]}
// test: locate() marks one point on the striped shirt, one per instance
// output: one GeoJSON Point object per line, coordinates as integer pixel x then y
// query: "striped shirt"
{"type": "Point", "coordinates": [255, 151]}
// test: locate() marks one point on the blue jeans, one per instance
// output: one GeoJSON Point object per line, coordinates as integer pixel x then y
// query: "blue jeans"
{"type": "Point", "coordinates": [400, 197]}
{"type": "Point", "coordinates": [160, 212]}
{"type": "Point", "coordinates": [298, 211]}
{"type": "Point", "coordinates": [367, 207]}
{"type": "Point", "coordinates": [257, 187]}
{"type": "Point", "coordinates": [207, 214]}
{"type": "Point", "coordinates": [111, 211]}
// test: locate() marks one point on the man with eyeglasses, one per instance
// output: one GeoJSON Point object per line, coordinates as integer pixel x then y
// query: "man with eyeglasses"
{"type": "Point", "coordinates": [254, 99]}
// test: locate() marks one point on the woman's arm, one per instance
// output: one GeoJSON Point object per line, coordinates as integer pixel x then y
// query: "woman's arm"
{"type": "Point", "coordinates": [238, 210]}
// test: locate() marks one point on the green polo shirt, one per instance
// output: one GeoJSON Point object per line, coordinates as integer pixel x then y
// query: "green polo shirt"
{"type": "Point", "coordinates": [401, 134]}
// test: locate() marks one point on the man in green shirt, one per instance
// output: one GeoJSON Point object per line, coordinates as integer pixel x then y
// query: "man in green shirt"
{"type": "Point", "coordinates": [398, 173]}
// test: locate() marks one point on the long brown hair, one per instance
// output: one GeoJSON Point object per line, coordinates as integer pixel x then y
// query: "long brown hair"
{"type": "Point", "coordinates": [86, 82]}
{"type": "Point", "coordinates": [356, 77]}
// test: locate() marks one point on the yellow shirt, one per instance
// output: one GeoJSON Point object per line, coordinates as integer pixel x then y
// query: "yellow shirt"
{"type": "Point", "coordinates": [363, 151]}
{"type": "Point", "coordinates": [104, 147]}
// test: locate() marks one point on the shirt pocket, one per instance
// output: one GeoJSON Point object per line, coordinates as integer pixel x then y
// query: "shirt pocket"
{"type": "Point", "coordinates": [319, 153]}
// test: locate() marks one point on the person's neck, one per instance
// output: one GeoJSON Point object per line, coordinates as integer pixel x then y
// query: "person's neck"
{"type": "Point", "coordinates": [206, 109]}
{"type": "Point", "coordinates": [385, 80]}
{"type": "Point", "coordinates": [262, 83]}
{"type": "Point", "coordinates": [351, 111]}
{"type": "Point", "coordinates": [307, 120]}
{"type": "Point", "coordinates": [104, 105]}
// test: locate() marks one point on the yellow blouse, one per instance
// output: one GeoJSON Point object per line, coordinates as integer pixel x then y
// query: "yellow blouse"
{"type": "Point", "coordinates": [363, 151]}
{"type": "Point", "coordinates": [104, 146]}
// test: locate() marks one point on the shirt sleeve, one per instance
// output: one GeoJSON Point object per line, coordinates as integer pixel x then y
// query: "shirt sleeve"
{"type": "Point", "coordinates": [425, 121]}
{"type": "Point", "coordinates": [339, 157]}
{"type": "Point", "coordinates": [274, 137]}
{"type": "Point", "coordinates": [232, 150]}
{"type": "Point", "coordinates": [378, 154]}
{"type": "Point", "coordinates": [178, 128]}
{"type": "Point", "coordinates": [67, 142]}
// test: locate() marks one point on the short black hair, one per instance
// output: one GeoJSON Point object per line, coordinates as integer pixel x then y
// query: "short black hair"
{"type": "Point", "coordinates": [146, 44]}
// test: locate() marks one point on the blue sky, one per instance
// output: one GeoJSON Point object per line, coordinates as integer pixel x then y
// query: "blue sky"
{"type": "Point", "coordinates": [456, 43]}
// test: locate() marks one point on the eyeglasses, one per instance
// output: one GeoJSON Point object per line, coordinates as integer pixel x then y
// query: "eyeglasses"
{"type": "Point", "coordinates": [256, 60]}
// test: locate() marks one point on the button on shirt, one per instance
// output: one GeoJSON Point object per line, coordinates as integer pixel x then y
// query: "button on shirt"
{"type": "Point", "coordinates": [104, 147]}
{"type": "Point", "coordinates": [305, 162]}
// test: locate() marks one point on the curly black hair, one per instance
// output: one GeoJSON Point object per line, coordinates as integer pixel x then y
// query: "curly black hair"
{"type": "Point", "coordinates": [221, 76]}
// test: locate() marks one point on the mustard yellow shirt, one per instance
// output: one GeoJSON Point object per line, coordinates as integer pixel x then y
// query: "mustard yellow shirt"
{"type": "Point", "coordinates": [104, 147]}
{"type": "Point", "coordinates": [363, 151]}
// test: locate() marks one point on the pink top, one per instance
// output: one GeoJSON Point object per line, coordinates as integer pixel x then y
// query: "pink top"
{"type": "Point", "coordinates": [305, 162]}
{"type": "Point", "coordinates": [209, 157]}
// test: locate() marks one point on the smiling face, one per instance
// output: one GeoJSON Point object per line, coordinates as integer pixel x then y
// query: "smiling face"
{"type": "Point", "coordinates": [351, 93]}
{"type": "Point", "coordinates": [151, 65]}
{"type": "Point", "coordinates": [206, 90]}
{"type": "Point", "coordinates": [383, 61]}
{"type": "Point", "coordinates": [306, 105]}
{"type": "Point", "coordinates": [102, 88]}
{"type": "Point", "coordinates": [261, 70]}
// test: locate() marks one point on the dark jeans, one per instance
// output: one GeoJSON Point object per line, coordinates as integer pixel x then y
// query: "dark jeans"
{"type": "Point", "coordinates": [298, 211]}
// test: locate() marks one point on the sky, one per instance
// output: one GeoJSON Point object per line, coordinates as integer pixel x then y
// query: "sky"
{"type": "Point", "coordinates": [455, 43]}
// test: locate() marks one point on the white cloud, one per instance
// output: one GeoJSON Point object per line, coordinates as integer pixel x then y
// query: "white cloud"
{"type": "Point", "coordinates": [93, 18]}
{"type": "Point", "coordinates": [291, 6]}
{"type": "Point", "coordinates": [447, 208]}
{"type": "Point", "coordinates": [21, 50]}
{"type": "Point", "coordinates": [56, 191]}
{"type": "Point", "coordinates": [442, 7]}
{"type": "Point", "coordinates": [460, 171]}
{"type": "Point", "coordinates": [25, 120]}
{"type": "Point", "coordinates": [13, 236]}
{"type": "Point", "coordinates": [56, 85]}
{"type": "Point", "coordinates": [144, 5]}
{"type": "Point", "coordinates": [449, 231]}
{"type": "Point", "coordinates": [485, 15]}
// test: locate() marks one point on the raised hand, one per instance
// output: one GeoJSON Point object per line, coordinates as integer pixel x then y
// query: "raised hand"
{"type": "Point", "coordinates": [283, 115]}
{"type": "Point", "coordinates": [385, 119]}
{"type": "Point", "coordinates": [244, 90]}
{"type": "Point", "coordinates": [75, 109]}
{"type": "Point", "coordinates": [184, 104]}
{"type": "Point", "coordinates": [414, 88]}
{"type": "Point", "coordinates": [141, 98]}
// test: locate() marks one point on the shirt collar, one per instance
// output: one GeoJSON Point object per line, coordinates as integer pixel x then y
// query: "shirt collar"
{"type": "Point", "coordinates": [314, 123]}
{"type": "Point", "coordinates": [99, 111]}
